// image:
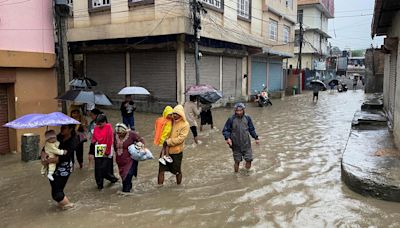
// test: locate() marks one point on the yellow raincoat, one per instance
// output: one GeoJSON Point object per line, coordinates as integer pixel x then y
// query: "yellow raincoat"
{"type": "Point", "coordinates": [163, 127]}
{"type": "Point", "coordinates": [179, 133]}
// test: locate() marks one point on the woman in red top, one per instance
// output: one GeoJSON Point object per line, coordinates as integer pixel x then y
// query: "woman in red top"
{"type": "Point", "coordinates": [103, 165]}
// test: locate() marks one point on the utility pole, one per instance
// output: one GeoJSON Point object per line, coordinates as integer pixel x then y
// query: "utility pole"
{"type": "Point", "coordinates": [300, 52]}
{"type": "Point", "coordinates": [197, 9]}
{"type": "Point", "coordinates": [61, 15]}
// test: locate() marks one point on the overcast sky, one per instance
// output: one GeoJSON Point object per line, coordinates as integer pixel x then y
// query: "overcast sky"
{"type": "Point", "coordinates": [349, 29]}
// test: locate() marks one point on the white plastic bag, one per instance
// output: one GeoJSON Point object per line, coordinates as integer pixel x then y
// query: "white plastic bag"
{"type": "Point", "coordinates": [140, 154]}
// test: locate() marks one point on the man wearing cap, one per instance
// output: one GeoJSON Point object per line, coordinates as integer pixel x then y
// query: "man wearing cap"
{"type": "Point", "coordinates": [237, 131]}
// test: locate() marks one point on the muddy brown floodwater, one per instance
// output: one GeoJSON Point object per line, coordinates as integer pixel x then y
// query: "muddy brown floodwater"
{"type": "Point", "coordinates": [295, 180]}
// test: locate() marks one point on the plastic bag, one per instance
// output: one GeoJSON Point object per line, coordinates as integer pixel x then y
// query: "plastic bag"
{"type": "Point", "coordinates": [140, 154]}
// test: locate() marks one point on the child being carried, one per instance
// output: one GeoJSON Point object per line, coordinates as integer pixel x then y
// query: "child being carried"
{"type": "Point", "coordinates": [51, 149]}
{"type": "Point", "coordinates": [163, 127]}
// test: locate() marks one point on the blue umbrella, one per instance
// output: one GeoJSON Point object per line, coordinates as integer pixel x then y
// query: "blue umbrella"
{"type": "Point", "coordinates": [41, 120]}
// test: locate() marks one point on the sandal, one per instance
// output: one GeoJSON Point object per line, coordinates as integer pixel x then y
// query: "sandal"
{"type": "Point", "coordinates": [162, 161]}
{"type": "Point", "coordinates": [168, 159]}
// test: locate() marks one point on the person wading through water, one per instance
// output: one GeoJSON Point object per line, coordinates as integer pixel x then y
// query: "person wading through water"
{"type": "Point", "coordinates": [237, 131]}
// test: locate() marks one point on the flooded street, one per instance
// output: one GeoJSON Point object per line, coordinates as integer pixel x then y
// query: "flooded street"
{"type": "Point", "coordinates": [295, 181]}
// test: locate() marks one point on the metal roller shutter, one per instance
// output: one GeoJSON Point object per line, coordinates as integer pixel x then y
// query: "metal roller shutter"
{"type": "Point", "coordinates": [229, 72]}
{"type": "Point", "coordinates": [209, 70]}
{"type": "Point", "coordinates": [108, 70]}
{"type": "Point", "coordinates": [190, 70]}
{"type": "Point", "coordinates": [156, 71]}
{"type": "Point", "coordinates": [238, 78]}
{"type": "Point", "coordinates": [4, 140]}
{"type": "Point", "coordinates": [258, 74]}
{"type": "Point", "coordinates": [275, 76]}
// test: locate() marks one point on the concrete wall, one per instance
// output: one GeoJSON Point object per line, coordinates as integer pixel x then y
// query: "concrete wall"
{"type": "Point", "coordinates": [27, 26]}
{"type": "Point", "coordinates": [395, 32]}
{"type": "Point", "coordinates": [306, 61]}
{"type": "Point", "coordinates": [374, 68]}
{"type": "Point", "coordinates": [173, 17]}
{"type": "Point", "coordinates": [120, 20]}
{"type": "Point", "coordinates": [35, 90]}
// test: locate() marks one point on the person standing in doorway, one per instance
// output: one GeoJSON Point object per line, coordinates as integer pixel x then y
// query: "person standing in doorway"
{"type": "Point", "coordinates": [127, 111]}
{"type": "Point", "coordinates": [192, 112]}
{"type": "Point", "coordinates": [237, 131]}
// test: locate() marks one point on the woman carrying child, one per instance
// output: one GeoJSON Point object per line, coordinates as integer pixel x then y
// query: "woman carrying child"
{"type": "Point", "coordinates": [68, 142]}
{"type": "Point", "coordinates": [123, 138]}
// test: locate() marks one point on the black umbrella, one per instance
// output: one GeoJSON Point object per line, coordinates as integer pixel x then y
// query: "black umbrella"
{"type": "Point", "coordinates": [210, 97]}
{"type": "Point", "coordinates": [82, 83]}
{"type": "Point", "coordinates": [318, 83]}
{"type": "Point", "coordinates": [86, 96]}
{"type": "Point", "coordinates": [334, 82]}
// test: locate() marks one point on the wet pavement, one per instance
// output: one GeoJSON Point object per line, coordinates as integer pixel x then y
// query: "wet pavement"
{"type": "Point", "coordinates": [371, 163]}
{"type": "Point", "coordinates": [295, 182]}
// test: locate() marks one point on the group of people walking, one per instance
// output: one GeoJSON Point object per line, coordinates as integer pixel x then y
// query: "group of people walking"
{"type": "Point", "coordinates": [171, 131]}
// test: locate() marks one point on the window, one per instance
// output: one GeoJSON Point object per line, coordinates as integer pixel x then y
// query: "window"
{"type": "Point", "coordinates": [273, 30]}
{"type": "Point", "coordinates": [289, 4]}
{"type": "Point", "coordinates": [286, 34]}
{"type": "Point", "coordinates": [243, 8]}
{"type": "Point", "coordinates": [140, 2]}
{"type": "Point", "coordinates": [297, 40]}
{"type": "Point", "coordinates": [100, 3]}
{"type": "Point", "coordinates": [300, 16]}
{"type": "Point", "coordinates": [215, 3]}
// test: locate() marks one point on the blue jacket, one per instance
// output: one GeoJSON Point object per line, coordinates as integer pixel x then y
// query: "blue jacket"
{"type": "Point", "coordinates": [227, 131]}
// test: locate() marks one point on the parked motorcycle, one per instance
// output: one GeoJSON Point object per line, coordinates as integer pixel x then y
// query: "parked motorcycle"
{"type": "Point", "coordinates": [342, 87]}
{"type": "Point", "coordinates": [262, 98]}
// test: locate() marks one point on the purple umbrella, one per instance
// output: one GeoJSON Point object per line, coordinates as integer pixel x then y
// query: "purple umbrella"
{"type": "Point", "coordinates": [41, 120]}
{"type": "Point", "coordinates": [57, 119]}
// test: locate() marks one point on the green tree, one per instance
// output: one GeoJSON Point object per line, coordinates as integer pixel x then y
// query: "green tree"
{"type": "Point", "coordinates": [358, 53]}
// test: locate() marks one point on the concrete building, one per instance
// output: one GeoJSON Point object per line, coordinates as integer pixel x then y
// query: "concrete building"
{"type": "Point", "coordinates": [28, 82]}
{"type": "Point", "coordinates": [386, 21]}
{"type": "Point", "coordinates": [150, 43]}
{"type": "Point", "coordinates": [315, 15]}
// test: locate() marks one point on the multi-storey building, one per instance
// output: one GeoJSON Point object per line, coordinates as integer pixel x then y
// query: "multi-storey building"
{"type": "Point", "coordinates": [28, 83]}
{"type": "Point", "coordinates": [150, 43]}
{"type": "Point", "coordinates": [314, 15]}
